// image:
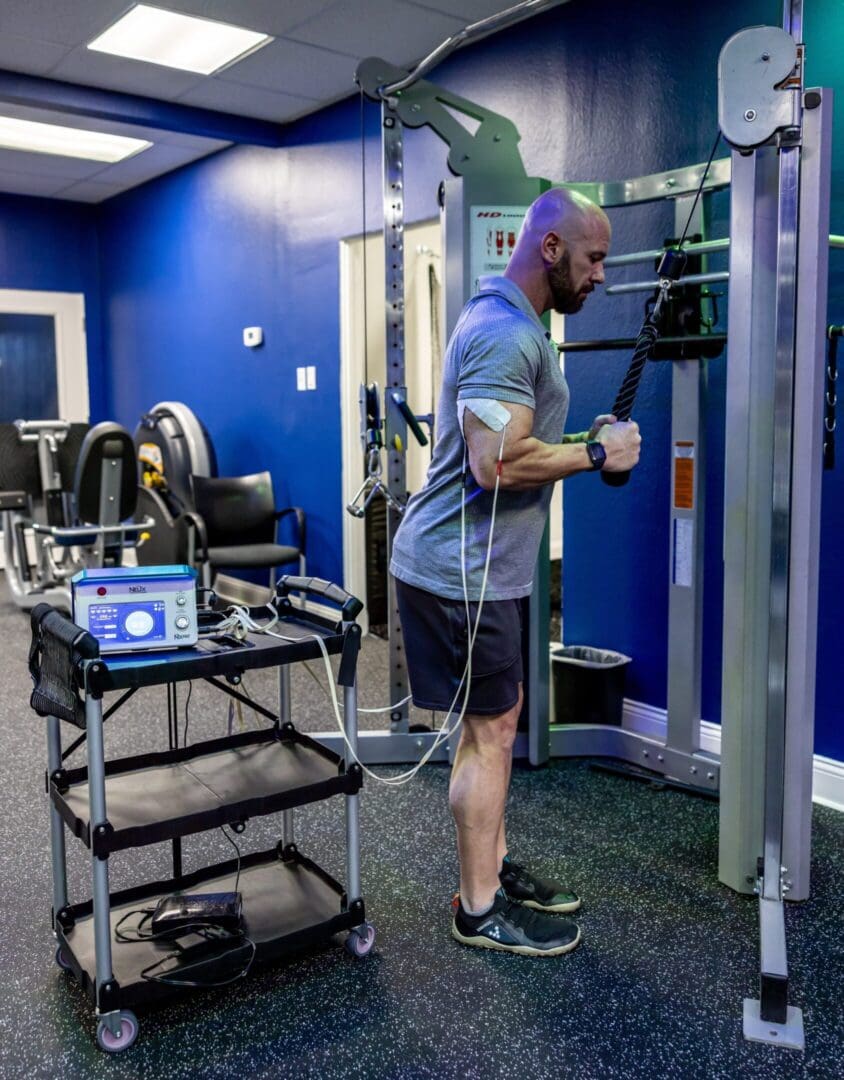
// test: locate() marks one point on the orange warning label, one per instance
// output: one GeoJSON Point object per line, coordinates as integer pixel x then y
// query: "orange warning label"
{"type": "Point", "coordinates": [684, 476]}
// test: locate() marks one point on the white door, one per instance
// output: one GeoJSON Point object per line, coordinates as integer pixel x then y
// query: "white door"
{"type": "Point", "coordinates": [43, 356]}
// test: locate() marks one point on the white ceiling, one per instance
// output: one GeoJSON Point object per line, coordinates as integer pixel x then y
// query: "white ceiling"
{"type": "Point", "coordinates": [310, 64]}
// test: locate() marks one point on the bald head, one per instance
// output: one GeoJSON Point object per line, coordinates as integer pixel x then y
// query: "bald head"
{"type": "Point", "coordinates": [560, 210]}
{"type": "Point", "coordinates": [558, 257]}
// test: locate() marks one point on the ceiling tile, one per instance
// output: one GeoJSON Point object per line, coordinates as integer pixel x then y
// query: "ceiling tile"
{"type": "Point", "coordinates": [89, 68]}
{"type": "Point", "coordinates": [387, 28]}
{"type": "Point", "coordinates": [156, 160]}
{"type": "Point", "coordinates": [469, 10]}
{"type": "Point", "coordinates": [269, 16]}
{"type": "Point", "coordinates": [92, 191]}
{"type": "Point", "coordinates": [67, 22]}
{"type": "Point", "coordinates": [48, 165]}
{"type": "Point", "coordinates": [16, 183]}
{"type": "Point", "coordinates": [28, 54]}
{"type": "Point", "coordinates": [235, 98]}
{"type": "Point", "coordinates": [191, 142]}
{"type": "Point", "coordinates": [289, 67]}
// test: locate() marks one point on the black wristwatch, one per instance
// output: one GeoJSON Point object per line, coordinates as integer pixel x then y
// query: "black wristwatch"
{"type": "Point", "coordinates": [597, 454]}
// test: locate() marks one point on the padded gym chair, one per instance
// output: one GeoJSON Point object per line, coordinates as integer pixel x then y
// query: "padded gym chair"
{"type": "Point", "coordinates": [234, 525]}
{"type": "Point", "coordinates": [86, 527]}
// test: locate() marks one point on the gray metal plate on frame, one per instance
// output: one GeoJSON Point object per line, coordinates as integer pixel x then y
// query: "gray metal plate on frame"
{"type": "Point", "coordinates": [395, 424]}
{"type": "Point", "coordinates": [604, 740]}
{"type": "Point", "coordinates": [789, 1035]}
{"type": "Point", "coordinates": [394, 748]}
{"type": "Point", "coordinates": [661, 185]}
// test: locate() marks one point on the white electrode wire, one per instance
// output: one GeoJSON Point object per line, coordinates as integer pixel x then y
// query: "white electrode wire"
{"type": "Point", "coordinates": [445, 731]}
{"type": "Point", "coordinates": [383, 709]}
{"type": "Point", "coordinates": [241, 617]}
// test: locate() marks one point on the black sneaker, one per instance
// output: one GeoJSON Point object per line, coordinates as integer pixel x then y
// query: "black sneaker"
{"type": "Point", "coordinates": [510, 927]}
{"type": "Point", "coordinates": [536, 892]}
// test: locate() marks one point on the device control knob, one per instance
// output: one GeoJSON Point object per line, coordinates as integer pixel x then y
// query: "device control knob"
{"type": "Point", "coordinates": [181, 599]}
{"type": "Point", "coordinates": [182, 622]}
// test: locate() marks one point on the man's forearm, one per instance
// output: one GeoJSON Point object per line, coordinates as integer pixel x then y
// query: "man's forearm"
{"type": "Point", "coordinates": [531, 463]}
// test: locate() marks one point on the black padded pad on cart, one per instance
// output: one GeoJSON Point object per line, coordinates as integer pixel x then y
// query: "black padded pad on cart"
{"type": "Point", "coordinates": [56, 648]}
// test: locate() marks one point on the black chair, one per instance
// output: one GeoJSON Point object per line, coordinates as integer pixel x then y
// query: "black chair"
{"type": "Point", "coordinates": [235, 523]}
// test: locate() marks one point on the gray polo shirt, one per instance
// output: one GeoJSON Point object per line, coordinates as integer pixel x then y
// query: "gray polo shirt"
{"type": "Point", "coordinates": [500, 350]}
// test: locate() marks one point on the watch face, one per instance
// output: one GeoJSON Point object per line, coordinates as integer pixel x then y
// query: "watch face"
{"type": "Point", "coordinates": [597, 454]}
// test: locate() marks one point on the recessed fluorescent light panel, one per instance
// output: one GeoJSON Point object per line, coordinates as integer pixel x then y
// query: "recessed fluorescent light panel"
{"type": "Point", "coordinates": [40, 138]}
{"type": "Point", "coordinates": [177, 41]}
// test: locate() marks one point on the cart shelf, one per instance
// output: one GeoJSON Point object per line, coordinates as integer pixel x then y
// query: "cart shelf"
{"type": "Point", "coordinates": [288, 903]}
{"type": "Point", "coordinates": [160, 796]}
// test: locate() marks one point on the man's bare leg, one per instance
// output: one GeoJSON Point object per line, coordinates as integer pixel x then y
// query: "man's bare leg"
{"type": "Point", "coordinates": [502, 838]}
{"type": "Point", "coordinates": [478, 792]}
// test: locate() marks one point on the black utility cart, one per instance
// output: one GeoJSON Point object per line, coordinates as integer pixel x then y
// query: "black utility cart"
{"type": "Point", "coordinates": [288, 901]}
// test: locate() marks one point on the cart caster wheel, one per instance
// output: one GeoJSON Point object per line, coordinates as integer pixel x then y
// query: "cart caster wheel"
{"type": "Point", "coordinates": [62, 959]}
{"type": "Point", "coordinates": [113, 1044]}
{"type": "Point", "coordinates": [360, 940]}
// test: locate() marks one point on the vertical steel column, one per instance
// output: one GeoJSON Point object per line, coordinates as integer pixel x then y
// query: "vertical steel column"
{"type": "Point", "coordinates": [395, 427]}
{"type": "Point", "coordinates": [685, 592]}
{"type": "Point", "coordinates": [57, 840]}
{"type": "Point", "coordinates": [810, 364]}
{"type": "Point", "coordinates": [99, 866]}
{"type": "Point", "coordinates": [747, 513]}
{"type": "Point", "coordinates": [538, 673]}
{"type": "Point", "coordinates": [786, 312]}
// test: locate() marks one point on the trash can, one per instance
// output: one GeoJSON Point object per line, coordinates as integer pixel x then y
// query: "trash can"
{"type": "Point", "coordinates": [588, 684]}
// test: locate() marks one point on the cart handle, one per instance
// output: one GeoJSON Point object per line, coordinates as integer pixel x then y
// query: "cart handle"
{"type": "Point", "coordinates": [349, 605]}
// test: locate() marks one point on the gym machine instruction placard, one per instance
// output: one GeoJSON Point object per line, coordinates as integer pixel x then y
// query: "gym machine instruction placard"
{"type": "Point", "coordinates": [492, 236]}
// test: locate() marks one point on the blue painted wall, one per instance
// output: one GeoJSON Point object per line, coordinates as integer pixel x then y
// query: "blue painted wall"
{"type": "Point", "coordinates": [251, 237]}
{"type": "Point", "coordinates": [52, 246]}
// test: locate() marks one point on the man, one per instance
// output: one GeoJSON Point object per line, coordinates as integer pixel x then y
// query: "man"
{"type": "Point", "coordinates": [501, 416]}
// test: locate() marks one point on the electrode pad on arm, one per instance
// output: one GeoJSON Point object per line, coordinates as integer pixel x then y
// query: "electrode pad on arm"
{"type": "Point", "coordinates": [488, 411]}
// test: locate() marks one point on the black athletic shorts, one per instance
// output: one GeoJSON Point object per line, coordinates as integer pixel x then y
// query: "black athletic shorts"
{"type": "Point", "coordinates": [435, 642]}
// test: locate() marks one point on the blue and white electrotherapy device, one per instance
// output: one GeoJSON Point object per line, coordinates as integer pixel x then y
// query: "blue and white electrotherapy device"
{"type": "Point", "coordinates": [130, 609]}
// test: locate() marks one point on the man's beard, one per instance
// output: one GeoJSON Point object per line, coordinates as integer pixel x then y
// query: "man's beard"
{"type": "Point", "coordinates": [563, 296]}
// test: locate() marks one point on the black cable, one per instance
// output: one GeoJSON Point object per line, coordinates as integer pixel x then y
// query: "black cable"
{"type": "Point", "coordinates": [363, 232]}
{"type": "Point", "coordinates": [187, 713]}
{"type": "Point", "coordinates": [700, 187]}
{"type": "Point", "coordinates": [237, 849]}
{"type": "Point", "coordinates": [208, 934]}
{"type": "Point", "coordinates": [833, 333]}
{"type": "Point", "coordinates": [648, 335]}
{"type": "Point", "coordinates": [244, 942]}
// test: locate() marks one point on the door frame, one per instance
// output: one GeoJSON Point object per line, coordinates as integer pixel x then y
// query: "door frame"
{"type": "Point", "coordinates": [351, 374]}
{"type": "Point", "coordinates": [68, 312]}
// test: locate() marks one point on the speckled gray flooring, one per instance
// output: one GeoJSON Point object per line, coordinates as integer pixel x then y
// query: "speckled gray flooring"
{"type": "Point", "coordinates": [654, 991]}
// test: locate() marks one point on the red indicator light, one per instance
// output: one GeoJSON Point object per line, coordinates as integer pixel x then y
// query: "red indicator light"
{"type": "Point", "coordinates": [102, 590]}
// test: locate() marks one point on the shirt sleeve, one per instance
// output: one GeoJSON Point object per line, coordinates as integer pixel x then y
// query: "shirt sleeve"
{"type": "Point", "coordinates": [501, 359]}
